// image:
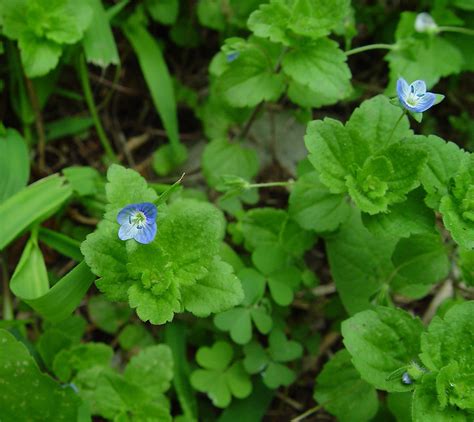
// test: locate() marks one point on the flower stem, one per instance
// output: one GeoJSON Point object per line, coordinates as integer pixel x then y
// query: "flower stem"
{"type": "Point", "coordinates": [269, 184]}
{"type": "Point", "coordinates": [86, 87]}
{"type": "Point", "coordinates": [458, 29]}
{"type": "Point", "coordinates": [38, 122]}
{"type": "Point", "coordinates": [370, 47]}
{"type": "Point", "coordinates": [396, 125]}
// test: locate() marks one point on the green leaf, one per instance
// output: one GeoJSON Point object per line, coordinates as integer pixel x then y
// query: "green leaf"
{"type": "Point", "coordinates": [283, 21]}
{"type": "Point", "coordinates": [380, 342]}
{"type": "Point", "coordinates": [222, 158]}
{"type": "Point", "coordinates": [281, 349]}
{"type": "Point", "coordinates": [99, 44]}
{"type": "Point", "coordinates": [314, 207]}
{"type": "Point", "coordinates": [454, 387]}
{"type": "Point", "coordinates": [426, 407]}
{"type": "Point", "coordinates": [343, 393]}
{"type": "Point", "coordinates": [251, 78]}
{"type": "Point", "coordinates": [321, 69]}
{"type": "Point", "coordinates": [14, 163]}
{"type": "Point", "coordinates": [30, 283]}
{"type": "Point", "coordinates": [218, 291]}
{"type": "Point", "coordinates": [167, 157]}
{"type": "Point", "coordinates": [403, 219]}
{"type": "Point", "coordinates": [443, 163]}
{"type": "Point", "coordinates": [158, 79]}
{"type": "Point", "coordinates": [219, 380]}
{"type": "Point", "coordinates": [151, 369]}
{"type": "Point", "coordinates": [450, 340]}
{"type": "Point", "coordinates": [360, 263]}
{"type": "Point", "coordinates": [421, 258]}
{"type": "Point", "coordinates": [66, 127]}
{"type": "Point", "coordinates": [421, 57]}
{"type": "Point", "coordinates": [34, 204]}
{"type": "Point", "coordinates": [175, 337]}
{"type": "Point", "coordinates": [19, 374]}
{"type": "Point", "coordinates": [38, 56]}
{"type": "Point", "coordinates": [277, 375]}
{"type": "Point", "coordinates": [83, 356]}
{"type": "Point", "coordinates": [65, 245]}
{"type": "Point", "coordinates": [466, 264]}
{"type": "Point", "coordinates": [163, 11]}
{"type": "Point", "coordinates": [457, 207]}
{"type": "Point", "coordinates": [135, 336]}
{"type": "Point", "coordinates": [107, 316]}
{"type": "Point", "coordinates": [238, 322]}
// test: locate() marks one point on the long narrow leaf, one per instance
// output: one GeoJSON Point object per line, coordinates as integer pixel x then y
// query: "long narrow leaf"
{"type": "Point", "coordinates": [63, 244]}
{"type": "Point", "coordinates": [156, 75]}
{"type": "Point", "coordinates": [33, 204]}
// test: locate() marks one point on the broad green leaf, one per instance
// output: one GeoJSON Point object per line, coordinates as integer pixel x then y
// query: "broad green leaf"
{"type": "Point", "coordinates": [399, 405]}
{"type": "Point", "coordinates": [106, 315]}
{"type": "Point", "coordinates": [457, 207]}
{"type": "Point", "coordinates": [360, 263]}
{"type": "Point", "coordinates": [14, 163]}
{"type": "Point", "coordinates": [82, 356]}
{"type": "Point", "coordinates": [425, 405]}
{"type": "Point", "coordinates": [443, 163]}
{"type": "Point", "coordinates": [285, 21]}
{"type": "Point", "coordinates": [251, 78]}
{"type": "Point", "coordinates": [34, 204]}
{"type": "Point", "coordinates": [99, 44]}
{"type": "Point", "coordinates": [320, 67]}
{"type": "Point", "coordinates": [151, 369]}
{"type": "Point", "coordinates": [222, 158]}
{"type": "Point", "coordinates": [450, 340]}
{"type": "Point", "coordinates": [466, 264]}
{"type": "Point", "coordinates": [421, 258]}
{"type": "Point", "coordinates": [157, 77]}
{"type": "Point", "coordinates": [256, 358]}
{"type": "Point", "coordinates": [423, 57]}
{"type": "Point", "coordinates": [238, 322]}
{"type": "Point", "coordinates": [341, 391]}
{"type": "Point", "coordinates": [218, 291]}
{"type": "Point", "coordinates": [380, 342]}
{"type": "Point", "coordinates": [166, 158]}
{"type": "Point", "coordinates": [277, 375]}
{"type": "Point", "coordinates": [21, 377]}
{"type": "Point", "coordinates": [314, 207]}
{"type": "Point", "coordinates": [281, 349]}
{"type": "Point", "coordinates": [454, 387]}
{"type": "Point", "coordinates": [66, 127]}
{"type": "Point", "coordinates": [404, 219]}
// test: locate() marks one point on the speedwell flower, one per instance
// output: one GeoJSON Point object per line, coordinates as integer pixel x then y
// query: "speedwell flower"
{"type": "Point", "coordinates": [425, 23]}
{"type": "Point", "coordinates": [138, 221]}
{"type": "Point", "coordinates": [414, 96]}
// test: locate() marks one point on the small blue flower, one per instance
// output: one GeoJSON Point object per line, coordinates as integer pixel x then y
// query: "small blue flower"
{"type": "Point", "coordinates": [425, 23]}
{"type": "Point", "coordinates": [232, 56]}
{"type": "Point", "coordinates": [138, 221]}
{"type": "Point", "coordinates": [406, 379]}
{"type": "Point", "coordinates": [414, 96]}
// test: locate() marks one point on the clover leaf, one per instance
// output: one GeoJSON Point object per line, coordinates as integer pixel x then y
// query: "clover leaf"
{"type": "Point", "coordinates": [270, 362]}
{"type": "Point", "coordinates": [220, 379]}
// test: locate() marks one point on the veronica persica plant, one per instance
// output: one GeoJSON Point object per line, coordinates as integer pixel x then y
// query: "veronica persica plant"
{"type": "Point", "coordinates": [424, 22]}
{"type": "Point", "coordinates": [138, 221]}
{"type": "Point", "coordinates": [414, 97]}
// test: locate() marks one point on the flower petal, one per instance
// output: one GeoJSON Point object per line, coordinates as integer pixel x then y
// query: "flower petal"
{"type": "Point", "coordinates": [146, 234]}
{"type": "Point", "coordinates": [127, 231]}
{"type": "Point", "coordinates": [425, 102]}
{"type": "Point", "coordinates": [124, 215]}
{"type": "Point", "coordinates": [403, 89]}
{"type": "Point", "coordinates": [148, 209]}
{"type": "Point", "coordinates": [419, 87]}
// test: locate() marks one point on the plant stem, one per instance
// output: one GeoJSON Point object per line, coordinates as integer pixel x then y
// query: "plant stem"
{"type": "Point", "coordinates": [370, 47]}
{"type": "Point", "coordinates": [458, 29]}
{"type": "Point", "coordinates": [38, 123]}
{"type": "Point", "coordinates": [269, 184]}
{"type": "Point", "coordinates": [309, 412]}
{"type": "Point", "coordinates": [396, 125]}
{"type": "Point", "coordinates": [86, 87]}
{"type": "Point", "coordinates": [7, 299]}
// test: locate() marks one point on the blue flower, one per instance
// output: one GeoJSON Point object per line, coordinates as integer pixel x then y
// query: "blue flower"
{"type": "Point", "coordinates": [425, 23]}
{"type": "Point", "coordinates": [232, 56]}
{"type": "Point", "coordinates": [138, 221]}
{"type": "Point", "coordinates": [406, 379]}
{"type": "Point", "coordinates": [414, 96]}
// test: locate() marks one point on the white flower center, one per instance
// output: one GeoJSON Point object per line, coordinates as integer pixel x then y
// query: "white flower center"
{"type": "Point", "coordinates": [137, 219]}
{"type": "Point", "coordinates": [412, 99]}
